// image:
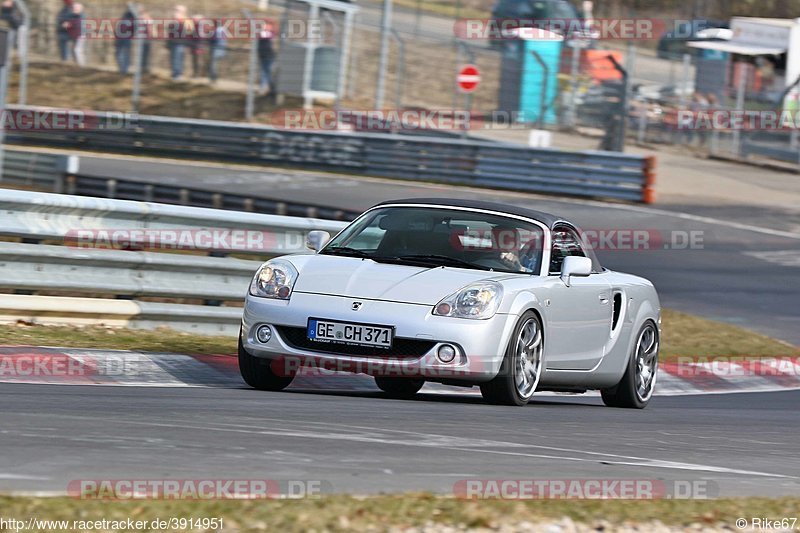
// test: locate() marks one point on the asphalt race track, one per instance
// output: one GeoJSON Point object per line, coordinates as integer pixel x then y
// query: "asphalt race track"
{"type": "Point", "coordinates": [361, 442]}
{"type": "Point", "coordinates": [743, 276]}
{"type": "Point", "coordinates": [739, 444]}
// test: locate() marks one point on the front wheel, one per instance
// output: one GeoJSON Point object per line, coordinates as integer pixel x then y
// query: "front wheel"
{"type": "Point", "coordinates": [257, 372]}
{"type": "Point", "coordinates": [522, 365]}
{"type": "Point", "coordinates": [636, 387]}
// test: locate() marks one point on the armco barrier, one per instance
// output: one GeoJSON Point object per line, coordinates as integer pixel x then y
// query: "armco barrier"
{"type": "Point", "coordinates": [775, 151]}
{"type": "Point", "coordinates": [40, 216]}
{"type": "Point", "coordinates": [37, 170]}
{"type": "Point", "coordinates": [62, 253]}
{"type": "Point", "coordinates": [435, 159]}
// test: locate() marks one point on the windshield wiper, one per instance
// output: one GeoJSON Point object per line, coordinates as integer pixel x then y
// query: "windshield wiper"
{"type": "Point", "coordinates": [437, 259]}
{"type": "Point", "coordinates": [346, 251]}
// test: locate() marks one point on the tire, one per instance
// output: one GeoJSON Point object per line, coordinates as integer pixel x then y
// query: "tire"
{"type": "Point", "coordinates": [636, 386]}
{"type": "Point", "coordinates": [258, 373]}
{"type": "Point", "coordinates": [506, 388]}
{"type": "Point", "coordinates": [399, 387]}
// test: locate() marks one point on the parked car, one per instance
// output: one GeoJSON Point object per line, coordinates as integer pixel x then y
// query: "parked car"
{"type": "Point", "coordinates": [674, 44]}
{"type": "Point", "coordinates": [459, 292]}
{"type": "Point", "coordinates": [545, 14]}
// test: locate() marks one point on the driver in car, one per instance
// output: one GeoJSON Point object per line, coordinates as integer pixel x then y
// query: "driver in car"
{"type": "Point", "coordinates": [508, 242]}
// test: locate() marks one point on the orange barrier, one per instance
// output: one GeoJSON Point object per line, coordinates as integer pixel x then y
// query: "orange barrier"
{"type": "Point", "coordinates": [594, 63]}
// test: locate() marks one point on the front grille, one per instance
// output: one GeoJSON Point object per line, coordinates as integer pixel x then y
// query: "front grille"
{"type": "Point", "coordinates": [401, 348]}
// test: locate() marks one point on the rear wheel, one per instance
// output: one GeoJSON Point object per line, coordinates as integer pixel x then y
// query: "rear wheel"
{"type": "Point", "coordinates": [399, 387]}
{"type": "Point", "coordinates": [522, 365]}
{"type": "Point", "coordinates": [636, 386]}
{"type": "Point", "coordinates": [257, 372]}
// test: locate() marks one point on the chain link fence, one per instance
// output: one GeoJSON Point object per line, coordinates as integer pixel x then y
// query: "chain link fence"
{"type": "Point", "coordinates": [608, 89]}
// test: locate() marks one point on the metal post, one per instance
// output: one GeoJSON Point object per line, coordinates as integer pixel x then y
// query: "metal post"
{"type": "Point", "coordinates": [543, 99]}
{"type": "Point", "coordinates": [249, 104]}
{"type": "Point", "coordinates": [344, 54]}
{"type": "Point", "coordinates": [386, 26]}
{"type": "Point", "coordinates": [401, 69]}
{"type": "Point", "coordinates": [308, 67]}
{"type": "Point", "coordinates": [640, 135]}
{"type": "Point", "coordinates": [687, 63]}
{"type": "Point", "coordinates": [573, 84]}
{"type": "Point", "coordinates": [468, 97]}
{"type": "Point", "coordinates": [740, 90]}
{"type": "Point", "coordinates": [138, 56]}
{"type": "Point", "coordinates": [24, 40]}
{"type": "Point", "coordinates": [630, 59]}
{"type": "Point", "coordinates": [622, 114]}
{"type": "Point", "coordinates": [4, 75]}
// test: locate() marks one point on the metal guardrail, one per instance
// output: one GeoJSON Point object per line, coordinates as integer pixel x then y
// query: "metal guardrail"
{"type": "Point", "coordinates": [32, 267]}
{"type": "Point", "coordinates": [37, 169]}
{"type": "Point", "coordinates": [43, 216]}
{"type": "Point", "coordinates": [435, 159]}
{"type": "Point", "coordinates": [786, 154]}
{"type": "Point", "coordinates": [61, 173]}
{"type": "Point", "coordinates": [81, 266]}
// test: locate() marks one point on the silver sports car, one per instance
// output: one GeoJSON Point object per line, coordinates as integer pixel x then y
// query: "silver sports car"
{"type": "Point", "coordinates": [457, 292]}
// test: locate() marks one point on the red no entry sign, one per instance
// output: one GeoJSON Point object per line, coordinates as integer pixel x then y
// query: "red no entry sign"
{"type": "Point", "coordinates": [468, 78]}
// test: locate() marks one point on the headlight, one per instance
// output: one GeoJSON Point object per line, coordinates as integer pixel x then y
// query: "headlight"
{"type": "Point", "coordinates": [479, 301]}
{"type": "Point", "coordinates": [275, 279]}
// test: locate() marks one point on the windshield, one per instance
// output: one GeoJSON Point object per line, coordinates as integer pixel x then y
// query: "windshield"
{"type": "Point", "coordinates": [442, 237]}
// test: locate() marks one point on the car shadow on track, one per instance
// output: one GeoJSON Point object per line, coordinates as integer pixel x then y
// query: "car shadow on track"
{"type": "Point", "coordinates": [450, 398]}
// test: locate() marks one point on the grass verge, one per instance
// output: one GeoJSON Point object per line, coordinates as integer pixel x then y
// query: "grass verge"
{"type": "Point", "coordinates": [684, 335]}
{"type": "Point", "coordinates": [401, 512]}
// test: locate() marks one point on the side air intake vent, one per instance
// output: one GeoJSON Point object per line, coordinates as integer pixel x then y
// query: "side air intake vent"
{"type": "Point", "coordinates": [616, 310]}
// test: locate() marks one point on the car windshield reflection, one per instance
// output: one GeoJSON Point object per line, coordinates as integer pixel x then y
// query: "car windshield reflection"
{"type": "Point", "coordinates": [429, 236]}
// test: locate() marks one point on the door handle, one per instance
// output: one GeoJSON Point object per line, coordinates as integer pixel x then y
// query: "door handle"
{"type": "Point", "coordinates": [603, 299]}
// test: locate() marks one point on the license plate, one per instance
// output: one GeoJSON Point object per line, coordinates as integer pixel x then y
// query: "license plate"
{"type": "Point", "coordinates": [331, 331]}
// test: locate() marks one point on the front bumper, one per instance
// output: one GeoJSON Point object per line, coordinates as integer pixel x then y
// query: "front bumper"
{"type": "Point", "coordinates": [480, 344]}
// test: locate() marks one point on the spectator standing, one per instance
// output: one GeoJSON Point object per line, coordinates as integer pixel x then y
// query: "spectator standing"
{"type": "Point", "coordinates": [184, 28]}
{"type": "Point", "coordinates": [124, 40]}
{"type": "Point", "coordinates": [62, 29]}
{"type": "Point", "coordinates": [217, 48]}
{"type": "Point", "coordinates": [698, 104]}
{"type": "Point", "coordinates": [76, 37]}
{"type": "Point", "coordinates": [147, 21]}
{"type": "Point", "coordinates": [11, 16]}
{"type": "Point", "coordinates": [196, 44]}
{"type": "Point", "coordinates": [266, 56]}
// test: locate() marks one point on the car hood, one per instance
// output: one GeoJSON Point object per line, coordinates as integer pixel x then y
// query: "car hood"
{"type": "Point", "coordinates": [357, 278]}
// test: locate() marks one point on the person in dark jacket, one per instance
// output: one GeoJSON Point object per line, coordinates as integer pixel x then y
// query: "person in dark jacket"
{"type": "Point", "coordinates": [266, 56]}
{"type": "Point", "coordinates": [62, 30]}
{"type": "Point", "coordinates": [146, 36]}
{"type": "Point", "coordinates": [177, 43]}
{"type": "Point", "coordinates": [11, 15]}
{"type": "Point", "coordinates": [216, 50]}
{"type": "Point", "coordinates": [75, 33]}
{"type": "Point", "coordinates": [11, 18]}
{"type": "Point", "coordinates": [124, 41]}
{"type": "Point", "coordinates": [197, 45]}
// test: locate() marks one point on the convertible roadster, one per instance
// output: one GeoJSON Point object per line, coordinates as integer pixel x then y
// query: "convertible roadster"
{"type": "Point", "coordinates": [459, 292]}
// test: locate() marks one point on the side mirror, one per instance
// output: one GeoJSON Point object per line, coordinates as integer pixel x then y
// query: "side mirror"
{"type": "Point", "coordinates": [316, 239]}
{"type": "Point", "coordinates": [575, 266]}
